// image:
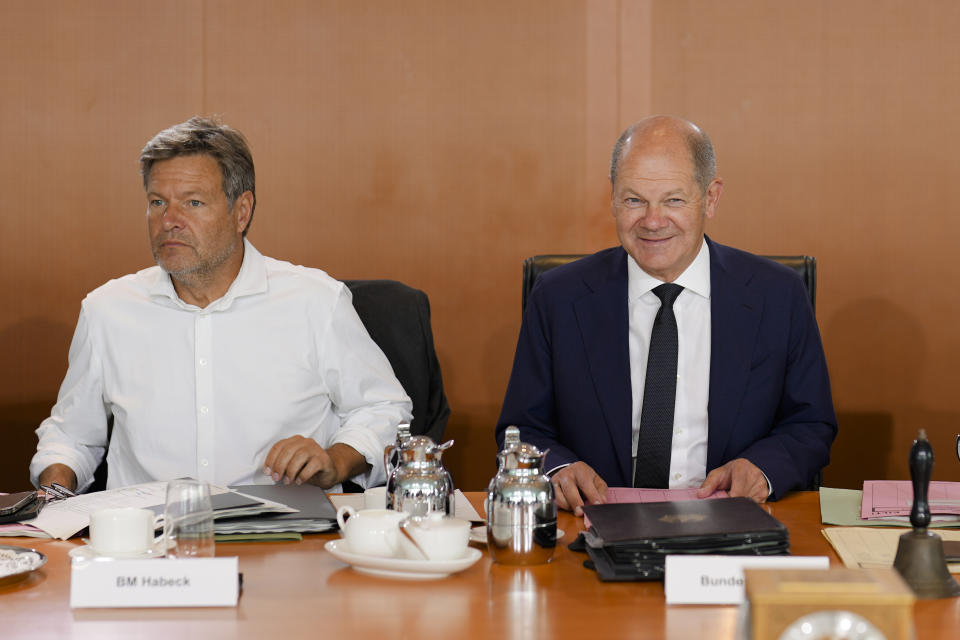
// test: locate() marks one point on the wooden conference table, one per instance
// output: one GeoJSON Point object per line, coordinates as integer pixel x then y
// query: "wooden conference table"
{"type": "Point", "coordinates": [298, 590]}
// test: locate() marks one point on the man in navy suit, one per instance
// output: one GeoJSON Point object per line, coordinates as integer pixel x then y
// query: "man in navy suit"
{"type": "Point", "coordinates": [753, 414]}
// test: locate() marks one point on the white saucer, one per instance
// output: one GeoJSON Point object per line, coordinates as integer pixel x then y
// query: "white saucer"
{"type": "Point", "coordinates": [478, 534]}
{"type": "Point", "coordinates": [86, 552]}
{"type": "Point", "coordinates": [400, 567]}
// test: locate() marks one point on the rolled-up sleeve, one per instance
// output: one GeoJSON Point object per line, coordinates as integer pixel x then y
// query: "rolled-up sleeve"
{"type": "Point", "coordinates": [75, 434]}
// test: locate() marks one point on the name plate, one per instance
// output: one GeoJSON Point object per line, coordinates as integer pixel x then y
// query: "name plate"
{"type": "Point", "coordinates": [694, 579]}
{"type": "Point", "coordinates": [192, 582]}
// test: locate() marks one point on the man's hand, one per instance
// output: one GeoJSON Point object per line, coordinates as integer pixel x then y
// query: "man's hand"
{"type": "Point", "coordinates": [61, 474]}
{"type": "Point", "coordinates": [578, 483]}
{"type": "Point", "coordinates": [299, 459]}
{"type": "Point", "coordinates": [739, 478]}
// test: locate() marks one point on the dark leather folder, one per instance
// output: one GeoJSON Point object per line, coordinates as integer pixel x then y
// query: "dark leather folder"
{"type": "Point", "coordinates": [629, 541]}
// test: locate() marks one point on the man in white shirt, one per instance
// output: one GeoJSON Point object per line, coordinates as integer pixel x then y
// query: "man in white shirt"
{"type": "Point", "coordinates": [219, 363]}
{"type": "Point", "coordinates": [744, 404]}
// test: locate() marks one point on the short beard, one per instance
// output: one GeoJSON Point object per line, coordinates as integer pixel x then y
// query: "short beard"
{"type": "Point", "coordinates": [203, 270]}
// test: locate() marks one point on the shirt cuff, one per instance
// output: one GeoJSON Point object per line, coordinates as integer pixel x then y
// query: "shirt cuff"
{"type": "Point", "coordinates": [557, 468]}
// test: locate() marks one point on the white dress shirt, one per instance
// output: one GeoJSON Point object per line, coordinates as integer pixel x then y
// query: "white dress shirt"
{"type": "Point", "coordinates": [207, 392]}
{"type": "Point", "coordinates": [688, 458]}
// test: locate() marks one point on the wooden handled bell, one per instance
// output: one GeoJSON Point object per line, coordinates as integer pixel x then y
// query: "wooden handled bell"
{"type": "Point", "coordinates": [920, 558]}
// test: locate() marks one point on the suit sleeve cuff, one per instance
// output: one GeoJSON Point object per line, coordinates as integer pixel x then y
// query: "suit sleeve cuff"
{"type": "Point", "coordinates": [557, 469]}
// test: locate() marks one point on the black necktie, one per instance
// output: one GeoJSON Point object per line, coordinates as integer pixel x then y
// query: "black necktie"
{"type": "Point", "coordinates": [659, 396]}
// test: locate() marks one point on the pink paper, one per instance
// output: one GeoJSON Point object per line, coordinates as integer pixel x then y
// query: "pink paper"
{"type": "Point", "coordinates": [893, 498]}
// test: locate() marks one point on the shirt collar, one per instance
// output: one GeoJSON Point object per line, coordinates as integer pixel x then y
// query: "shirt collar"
{"type": "Point", "coordinates": [696, 277]}
{"type": "Point", "coordinates": [251, 280]}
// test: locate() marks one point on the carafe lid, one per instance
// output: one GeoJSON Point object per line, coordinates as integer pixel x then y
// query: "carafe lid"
{"type": "Point", "coordinates": [422, 449]}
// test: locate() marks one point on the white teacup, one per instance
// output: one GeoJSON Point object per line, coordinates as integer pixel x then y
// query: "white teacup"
{"type": "Point", "coordinates": [121, 532]}
{"type": "Point", "coordinates": [439, 537]}
{"type": "Point", "coordinates": [375, 498]}
{"type": "Point", "coordinates": [371, 532]}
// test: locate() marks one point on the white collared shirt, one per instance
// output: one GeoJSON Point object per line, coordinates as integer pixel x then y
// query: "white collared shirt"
{"type": "Point", "coordinates": [207, 392]}
{"type": "Point", "coordinates": [688, 458]}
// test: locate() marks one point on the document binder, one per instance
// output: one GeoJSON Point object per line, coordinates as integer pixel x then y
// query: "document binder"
{"type": "Point", "coordinates": [629, 541]}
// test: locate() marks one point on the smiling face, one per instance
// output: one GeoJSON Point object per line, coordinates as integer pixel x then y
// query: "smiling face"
{"type": "Point", "coordinates": [195, 234]}
{"type": "Point", "coordinates": [659, 208]}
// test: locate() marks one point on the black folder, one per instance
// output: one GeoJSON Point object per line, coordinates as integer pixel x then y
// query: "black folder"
{"type": "Point", "coordinates": [629, 541]}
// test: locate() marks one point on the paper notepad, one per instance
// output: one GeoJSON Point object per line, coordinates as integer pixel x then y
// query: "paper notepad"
{"type": "Point", "coordinates": [871, 547]}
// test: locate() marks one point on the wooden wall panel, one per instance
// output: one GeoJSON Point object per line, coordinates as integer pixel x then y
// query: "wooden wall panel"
{"type": "Point", "coordinates": [435, 143]}
{"type": "Point", "coordinates": [83, 87]}
{"type": "Point", "coordinates": [833, 124]}
{"type": "Point", "coordinates": [440, 143]}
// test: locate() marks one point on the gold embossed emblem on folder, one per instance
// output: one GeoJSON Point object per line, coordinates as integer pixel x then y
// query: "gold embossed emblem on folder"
{"type": "Point", "coordinates": [682, 518]}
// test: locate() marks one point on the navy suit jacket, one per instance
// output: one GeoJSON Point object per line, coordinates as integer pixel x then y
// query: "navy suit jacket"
{"type": "Point", "coordinates": [769, 397]}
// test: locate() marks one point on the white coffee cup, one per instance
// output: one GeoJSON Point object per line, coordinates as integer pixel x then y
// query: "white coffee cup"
{"type": "Point", "coordinates": [371, 532]}
{"type": "Point", "coordinates": [121, 532]}
{"type": "Point", "coordinates": [439, 537]}
{"type": "Point", "coordinates": [375, 498]}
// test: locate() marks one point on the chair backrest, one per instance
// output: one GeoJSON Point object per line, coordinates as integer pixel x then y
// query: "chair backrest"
{"type": "Point", "coordinates": [397, 317]}
{"type": "Point", "coordinates": [805, 266]}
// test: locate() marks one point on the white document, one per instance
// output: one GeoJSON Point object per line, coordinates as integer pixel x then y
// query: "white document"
{"type": "Point", "coordinates": [696, 579]}
{"type": "Point", "coordinates": [193, 582]}
{"type": "Point", "coordinates": [64, 518]}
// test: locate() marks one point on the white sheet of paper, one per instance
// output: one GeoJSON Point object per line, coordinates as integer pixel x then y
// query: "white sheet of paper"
{"type": "Point", "coordinates": [65, 518]}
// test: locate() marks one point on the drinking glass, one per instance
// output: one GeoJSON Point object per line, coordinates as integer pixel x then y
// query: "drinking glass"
{"type": "Point", "coordinates": [188, 520]}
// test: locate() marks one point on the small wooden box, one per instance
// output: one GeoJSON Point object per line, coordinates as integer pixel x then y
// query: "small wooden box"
{"type": "Point", "coordinates": [779, 597]}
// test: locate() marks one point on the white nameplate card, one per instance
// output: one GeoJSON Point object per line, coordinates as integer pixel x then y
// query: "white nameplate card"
{"type": "Point", "coordinates": [194, 582]}
{"type": "Point", "coordinates": [693, 579]}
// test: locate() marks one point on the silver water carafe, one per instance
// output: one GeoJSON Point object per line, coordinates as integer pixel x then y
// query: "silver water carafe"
{"type": "Point", "coordinates": [391, 460]}
{"type": "Point", "coordinates": [521, 509]}
{"type": "Point", "coordinates": [421, 483]}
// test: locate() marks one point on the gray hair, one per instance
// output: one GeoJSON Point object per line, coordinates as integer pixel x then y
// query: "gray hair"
{"type": "Point", "coordinates": [698, 142]}
{"type": "Point", "coordinates": [206, 136]}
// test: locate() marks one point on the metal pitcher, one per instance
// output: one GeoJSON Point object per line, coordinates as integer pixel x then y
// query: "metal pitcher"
{"type": "Point", "coordinates": [391, 460]}
{"type": "Point", "coordinates": [521, 509]}
{"type": "Point", "coordinates": [421, 485]}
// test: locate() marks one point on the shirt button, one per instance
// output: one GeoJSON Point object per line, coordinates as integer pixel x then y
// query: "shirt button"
{"type": "Point", "coordinates": [203, 362]}
{"type": "Point", "coordinates": [204, 410]}
{"type": "Point", "coordinates": [204, 463]}
{"type": "Point", "coordinates": [677, 476]}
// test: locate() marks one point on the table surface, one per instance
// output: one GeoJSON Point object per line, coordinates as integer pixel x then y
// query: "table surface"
{"type": "Point", "coordinates": [297, 589]}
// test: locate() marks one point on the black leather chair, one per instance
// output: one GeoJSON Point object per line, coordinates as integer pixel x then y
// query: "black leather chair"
{"type": "Point", "coordinates": [397, 317]}
{"type": "Point", "coordinates": [805, 266]}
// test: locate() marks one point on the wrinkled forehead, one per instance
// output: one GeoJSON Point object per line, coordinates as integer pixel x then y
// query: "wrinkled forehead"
{"type": "Point", "coordinates": [186, 172]}
{"type": "Point", "coordinates": [655, 167]}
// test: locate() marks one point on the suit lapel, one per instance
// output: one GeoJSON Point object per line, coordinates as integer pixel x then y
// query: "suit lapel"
{"type": "Point", "coordinates": [735, 313]}
{"type": "Point", "coordinates": [603, 323]}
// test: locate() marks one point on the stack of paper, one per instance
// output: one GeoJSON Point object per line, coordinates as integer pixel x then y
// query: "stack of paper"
{"type": "Point", "coordinates": [843, 507]}
{"type": "Point", "coordinates": [22, 530]}
{"type": "Point", "coordinates": [893, 499]}
{"type": "Point", "coordinates": [65, 518]}
{"type": "Point", "coordinates": [311, 511]}
{"type": "Point", "coordinates": [867, 548]}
